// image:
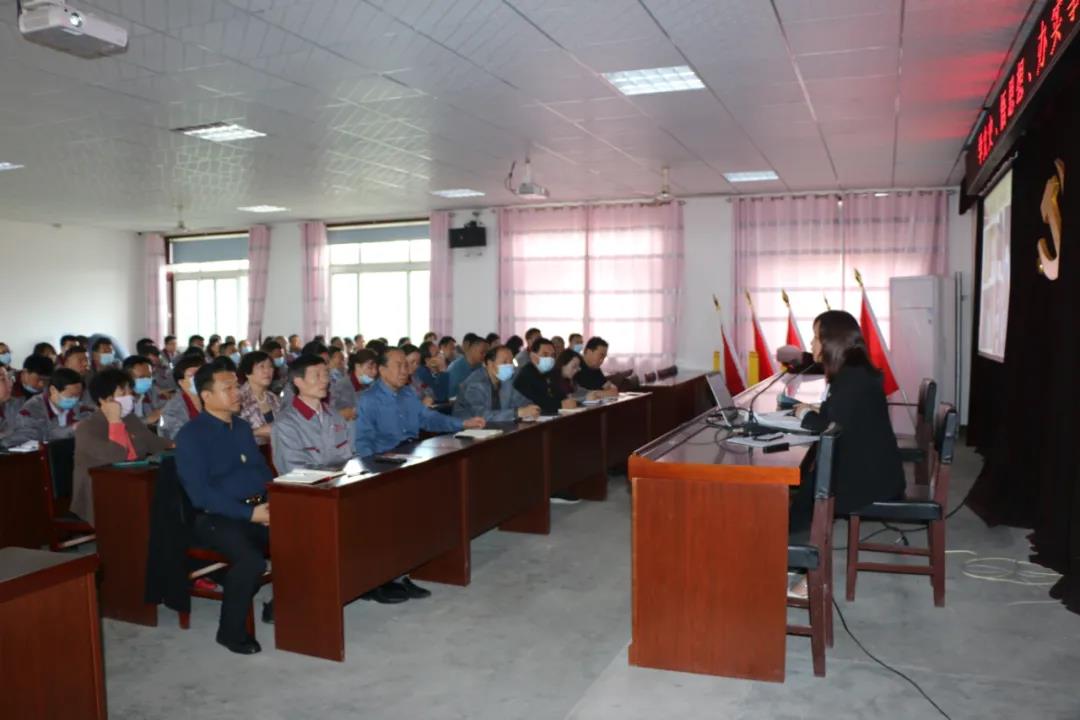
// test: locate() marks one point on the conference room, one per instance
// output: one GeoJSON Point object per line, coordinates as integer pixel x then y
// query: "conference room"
{"type": "Point", "coordinates": [571, 359]}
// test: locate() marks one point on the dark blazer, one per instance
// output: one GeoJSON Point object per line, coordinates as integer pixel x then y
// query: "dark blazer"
{"type": "Point", "coordinates": [537, 388]}
{"type": "Point", "coordinates": [867, 462]}
{"type": "Point", "coordinates": [93, 449]}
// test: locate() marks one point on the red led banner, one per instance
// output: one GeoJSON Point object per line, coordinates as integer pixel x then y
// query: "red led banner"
{"type": "Point", "coordinates": [1052, 32]}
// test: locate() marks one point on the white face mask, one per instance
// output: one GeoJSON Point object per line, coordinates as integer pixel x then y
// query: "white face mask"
{"type": "Point", "coordinates": [127, 404]}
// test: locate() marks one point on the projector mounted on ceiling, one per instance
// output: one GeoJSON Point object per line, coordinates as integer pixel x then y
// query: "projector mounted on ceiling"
{"type": "Point", "coordinates": [527, 190]}
{"type": "Point", "coordinates": [61, 27]}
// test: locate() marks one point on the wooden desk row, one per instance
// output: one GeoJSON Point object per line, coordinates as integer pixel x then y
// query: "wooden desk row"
{"type": "Point", "coordinates": [332, 542]}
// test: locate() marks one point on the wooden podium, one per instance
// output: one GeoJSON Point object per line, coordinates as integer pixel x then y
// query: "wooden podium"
{"type": "Point", "coordinates": [710, 531]}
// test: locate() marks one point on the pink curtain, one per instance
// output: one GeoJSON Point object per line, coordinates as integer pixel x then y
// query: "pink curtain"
{"type": "Point", "coordinates": [811, 246]}
{"type": "Point", "coordinates": [441, 318]}
{"type": "Point", "coordinates": [258, 265]}
{"type": "Point", "coordinates": [157, 304]}
{"type": "Point", "coordinates": [315, 281]}
{"type": "Point", "coordinates": [609, 270]}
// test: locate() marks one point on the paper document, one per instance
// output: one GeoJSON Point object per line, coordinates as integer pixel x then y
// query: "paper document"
{"type": "Point", "coordinates": [27, 447]}
{"type": "Point", "coordinates": [308, 477]}
{"type": "Point", "coordinates": [570, 411]}
{"type": "Point", "coordinates": [788, 438]}
{"type": "Point", "coordinates": [781, 419]}
{"type": "Point", "coordinates": [478, 434]}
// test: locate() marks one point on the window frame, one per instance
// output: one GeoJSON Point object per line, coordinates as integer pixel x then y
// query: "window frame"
{"type": "Point", "coordinates": [174, 277]}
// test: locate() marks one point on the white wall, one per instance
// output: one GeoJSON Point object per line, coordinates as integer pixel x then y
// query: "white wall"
{"type": "Point", "coordinates": [476, 279]}
{"type": "Point", "coordinates": [284, 299]}
{"type": "Point", "coordinates": [709, 268]}
{"type": "Point", "coordinates": [69, 279]}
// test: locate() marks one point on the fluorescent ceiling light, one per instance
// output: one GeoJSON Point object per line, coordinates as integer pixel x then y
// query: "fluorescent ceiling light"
{"type": "Point", "coordinates": [881, 194]}
{"type": "Point", "coordinates": [263, 208]}
{"type": "Point", "coordinates": [9, 166]}
{"type": "Point", "coordinates": [457, 193]}
{"type": "Point", "coordinates": [221, 132]}
{"type": "Point", "coordinates": [753, 176]}
{"type": "Point", "coordinates": [655, 80]}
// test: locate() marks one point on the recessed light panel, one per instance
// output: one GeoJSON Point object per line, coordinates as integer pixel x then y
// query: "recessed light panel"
{"type": "Point", "coordinates": [262, 208]}
{"type": "Point", "coordinates": [655, 80]}
{"type": "Point", "coordinates": [753, 176]}
{"type": "Point", "coordinates": [9, 166]}
{"type": "Point", "coordinates": [457, 193]}
{"type": "Point", "coordinates": [220, 132]}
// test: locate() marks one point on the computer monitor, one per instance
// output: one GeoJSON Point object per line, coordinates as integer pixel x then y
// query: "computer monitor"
{"type": "Point", "coordinates": [720, 393]}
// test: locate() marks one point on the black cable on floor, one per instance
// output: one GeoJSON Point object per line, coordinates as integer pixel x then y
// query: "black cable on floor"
{"type": "Point", "coordinates": [885, 665]}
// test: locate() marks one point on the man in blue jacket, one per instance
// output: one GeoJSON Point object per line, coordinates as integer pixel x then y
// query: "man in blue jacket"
{"type": "Point", "coordinates": [225, 475]}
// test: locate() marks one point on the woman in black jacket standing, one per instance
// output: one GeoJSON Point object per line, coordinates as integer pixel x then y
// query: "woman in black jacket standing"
{"type": "Point", "coordinates": [867, 462]}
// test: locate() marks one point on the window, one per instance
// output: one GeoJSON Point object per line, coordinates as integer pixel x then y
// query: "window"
{"type": "Point", "coordinates": [210, 286]}
{"type": "Point", "coordinates": [607, 270]}
{"type": "Point", "coordinates": [380, 280]}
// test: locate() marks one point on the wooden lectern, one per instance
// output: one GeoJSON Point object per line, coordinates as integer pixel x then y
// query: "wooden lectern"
{"type": "Point", "coordinates": [710, 532]}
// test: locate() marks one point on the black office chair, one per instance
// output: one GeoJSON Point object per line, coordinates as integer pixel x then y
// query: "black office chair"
{"type": "Point", "coordinates": [815, 557]}
{"type": "Point", "coordinates": [922, 504]}
{"type": "Point", "coordinates": [915, 449]}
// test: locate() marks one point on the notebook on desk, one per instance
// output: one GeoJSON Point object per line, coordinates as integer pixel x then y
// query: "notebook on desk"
{"type": "Point", "coordinates": [301, 476]}
{"type": "Point", "coordinates": [475, 434]}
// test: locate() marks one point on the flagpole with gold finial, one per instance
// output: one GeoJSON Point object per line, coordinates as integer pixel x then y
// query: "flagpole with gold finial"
{"type": "Point", "coordinates": [787, 302]}
{"type": "Point", "coordinates": [903, 393]}
{"type": "Point", "coordinates": [826, 299]}
{"type": "Point", "coordinates": [753, 362]}
{"type": "Point", "coordinates": [716, 359]}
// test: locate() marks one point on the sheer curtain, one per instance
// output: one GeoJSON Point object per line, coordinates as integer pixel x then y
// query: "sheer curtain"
{"type": "Point", "coordinates": [812, 245]}
{"type": "Point", "coordinates": [608, 270]}
{"type": "Point", "coordinates": [441, 317]}
{"type": "Point", "coordinates": [258, 265]}
{"type": "Point", "coordinates": [635, 265]}
{"type": "Point", "coordinates": [315, 281]}
{"type": "Point", "coordinates": [157, 306]}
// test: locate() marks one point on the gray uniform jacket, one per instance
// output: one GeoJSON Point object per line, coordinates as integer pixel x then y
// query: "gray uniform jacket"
{"type": "Point", "coordinates": [39, 420]}
{"type": "Point", "coordinates": [9, 414]}
{"type": "Point", "coordinates": [148, 403]}
{"type": "Point", "coordinates": [343, 394]}
{"type": "Point", "coordinates": [477, 398]}
{"type": "Point", "coordinates": [176, 414]}
{"type": "Point", "coordinates": [303, 438]}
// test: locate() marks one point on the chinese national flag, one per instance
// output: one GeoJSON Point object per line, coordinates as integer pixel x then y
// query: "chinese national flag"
{"type": "Point", "coordinates": [733, 374]}
{"type": "Point", "coordinates": [875, 345]}
{"type": "Point", "coordinates": [794, 337]}
{"type": "Point", "coordinates": [765, 368]}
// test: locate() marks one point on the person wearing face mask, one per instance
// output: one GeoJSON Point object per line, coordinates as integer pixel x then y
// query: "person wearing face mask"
{"type": "Point", "coordinates": [5, 358]}
{"type": "Point", "coordinates": [149, 402]}
{"type": "Point", "coordinates": [113, 433]}
{"type": "Point", "coordinates": [229, 350]}
{"type": "Point", "coordinates": [276, 351]}
{"type": "Point", "coordinates": [32, 379]}
{"type": "Point", "coordinates": [362, 372]}
{"type": "Point", "coordinates": [534, 380]}
{"type": "Point", "coordinates": [489, 393]}
{"type": "Point", "coordinates": [53, 414]}
{"type": "Point", "coordinates": [102, 355]}
{"type": "Point", "coordinates": [184, 406]}
{"type": "Point", "coordinates": [258, 405]}
{"type": "Point", "coordinates": [244, 347]}
{"type": "Point", "coordinates": [577, 343]}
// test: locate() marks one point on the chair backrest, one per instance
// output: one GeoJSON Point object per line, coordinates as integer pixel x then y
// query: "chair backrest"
{"type": "Point", "coordinates": [667, 372]}
{"type": "Point", "coordinates": [927, 398]}
{"type": "Point", "coordinates": [947, 423]}
{"type": "Point", "coordinates": [60, 455]}
{"type": "Point", "coordinates": [823, 462]}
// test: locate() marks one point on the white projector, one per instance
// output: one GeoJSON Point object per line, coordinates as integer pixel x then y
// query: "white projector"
{"type": "Point", "coordinates": [69, 30]}
{"type": "Point", "coordinates": [532, 191]}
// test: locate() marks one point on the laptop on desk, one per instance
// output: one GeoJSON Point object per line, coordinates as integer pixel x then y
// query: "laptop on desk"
{"type": "Point", "coordinates": [719, 390]}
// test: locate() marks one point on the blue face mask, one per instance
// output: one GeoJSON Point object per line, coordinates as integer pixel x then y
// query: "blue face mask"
{"type": "Point", "coordinates": [279, 361]}
{"type": "Point", "coordinates": [245, 350]}
{"type": "Point", "coordinates": [505, 372]}
{"type": "Point", "coordinates": [578, 348]}
{"type": "Point", "coordinates": [366, 379]}
{"type": "Point", "coordinates": [5, 358]}
{"type": "Point", "coordinates": [106, 359]}
{"type": "Point", "coordinates": [191, 385]}
{"type": "Point", "coordinates": [545, 364]}
{"type": "Point", "coordinates": [235, 357]}
{"type": "Point", "coordinates": [29, 390]}
{"type": "Point", "coordinates": [67, 403]}
{"type": "Point", "coordinates": [142, 385]}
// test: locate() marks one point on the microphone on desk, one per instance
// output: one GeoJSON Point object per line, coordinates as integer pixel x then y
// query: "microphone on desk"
{"type": "Point", "coordinates": [784, 353]}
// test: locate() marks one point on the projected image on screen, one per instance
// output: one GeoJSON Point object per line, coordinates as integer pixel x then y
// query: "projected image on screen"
{"type": "Point", "coordinates": [994, 285]}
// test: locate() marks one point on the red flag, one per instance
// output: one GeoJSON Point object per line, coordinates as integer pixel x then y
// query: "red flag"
{"type": "Point", "coordinates": [765, 368]}
{"type": "Point", "coordinates": [733, 374]}
{"type": "Point", "coordinates": [875, 344]}
{"type": "Point", "coordinates": [794, 337]}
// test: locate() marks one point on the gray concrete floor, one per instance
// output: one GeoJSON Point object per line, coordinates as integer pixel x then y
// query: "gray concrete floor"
{"type": "Point", "coordinates": [541, 633]}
